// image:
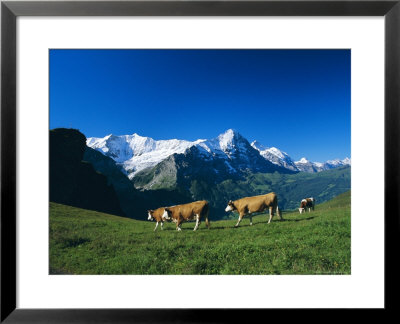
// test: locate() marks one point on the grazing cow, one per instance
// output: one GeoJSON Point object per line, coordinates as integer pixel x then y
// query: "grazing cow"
{"type": "Point", "coordinates": [157, 215]}
{"type": "Point", "coordinates": [180, 213]}
{"type": "Point", "coordinates": [307, 203]}
{"type": "Point", "coordinates": [249, 205]}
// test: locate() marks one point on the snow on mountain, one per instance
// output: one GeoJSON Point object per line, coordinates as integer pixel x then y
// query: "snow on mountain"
{"type": "Point", "coordinates": [258, 146]}
{"type": "Point", "coordinates": [281, 158]}
{"type": "Point", "coordinates": [275, 156]}
{"type": "Point", "coordinates": [346, 161]}
{"type": "Point", "coordinates": [227, 140]}
{"type": "Point", "coordinates": [303, 160]}
{"type": "Point", "coordinates": [338, 162]}
{"type": "Point", "coordinates": [225, 144]}
{"type": "Point", "coordinates": [307, 166]}
{"type": "Point", "coordinates": [135, 153]}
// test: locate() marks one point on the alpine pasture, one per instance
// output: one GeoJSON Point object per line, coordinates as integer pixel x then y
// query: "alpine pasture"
{"type": "Point", "coordinates": [89, 242]}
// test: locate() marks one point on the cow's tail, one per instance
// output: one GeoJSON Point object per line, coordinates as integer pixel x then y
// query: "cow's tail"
{"type": "Point", "coordinates": [278, 211]}
{"type": "Point", "coordinates": [206, 212]}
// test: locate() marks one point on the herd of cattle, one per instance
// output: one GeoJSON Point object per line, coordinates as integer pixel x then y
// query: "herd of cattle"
{"type": "Point", "coordinates": [199, 210]}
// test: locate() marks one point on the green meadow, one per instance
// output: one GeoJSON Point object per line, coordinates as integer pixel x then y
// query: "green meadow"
{"type": "Point", "coordinates": [89, 242]}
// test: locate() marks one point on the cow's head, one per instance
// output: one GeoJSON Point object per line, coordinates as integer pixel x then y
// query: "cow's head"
{"type": "Point", "coordinates": [230, 207]}
{"type": "Point", "coordinates": [167, 213]}
{"type": "Point", "coordinates": [303, 205]}
{"type": "Point", "coordinates": [150, 215]}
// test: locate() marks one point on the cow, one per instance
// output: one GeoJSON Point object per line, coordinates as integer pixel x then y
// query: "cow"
{"type": "Point", "coordinates": [194, 210]}
{"type": "Point", "coordinates": [156, 215]}
{"type": "Point", "coordinates": [307, 203]}
{"type": "Point", "coordinates": [249, 205]}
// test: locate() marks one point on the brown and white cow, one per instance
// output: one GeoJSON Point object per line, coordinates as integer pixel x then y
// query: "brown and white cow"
{"type": "Point", "coordinates": [307, 203]}
{"type": "Point", "coordinates": [156, 215]}
{"type": "Point", "coordinates": [194, 210]}
{"type": "Point", "coordinates": [249, 205]}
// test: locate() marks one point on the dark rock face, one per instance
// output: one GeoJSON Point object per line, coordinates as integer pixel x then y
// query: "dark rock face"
{"type": "Point", "coordinates": [133, 202]}
{"type": "Point", "coordinates": [75, 182]}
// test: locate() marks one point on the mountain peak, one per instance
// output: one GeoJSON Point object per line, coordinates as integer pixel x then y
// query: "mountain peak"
{"type": "Point", "coordinates": [230, 133]}
{"type": "Point", "coordinates": [303, 160]}
{"type": "Point", "coordinates": [229, 139]}
{"type": "Point", "coordinates": [346, 160]}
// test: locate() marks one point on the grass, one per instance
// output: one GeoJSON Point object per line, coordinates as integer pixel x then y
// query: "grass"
{"type": "Point", "coordinates": [89, 242]}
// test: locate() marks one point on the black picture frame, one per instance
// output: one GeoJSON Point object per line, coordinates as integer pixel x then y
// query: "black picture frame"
{"type": "Point", "coordinates": [10, 10]}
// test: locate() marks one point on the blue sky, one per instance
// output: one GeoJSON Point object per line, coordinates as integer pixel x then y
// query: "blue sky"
{"type": "Point", "coordinates": [296, 100]}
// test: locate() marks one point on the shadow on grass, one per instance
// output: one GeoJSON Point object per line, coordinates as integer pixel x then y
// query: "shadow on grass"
{"type": "Point", "coordinates": [265, 223]}
{"type": "Point", "coordinates": [240, 226]}
{"type": "Point", "coordinates": [300, 220]}
{"type": "Point", "coordinates": [247, 225]}
{"type": "Point", "coordinates": [185, 229]}
{"type": "Point", "coordinates": [219, 227]}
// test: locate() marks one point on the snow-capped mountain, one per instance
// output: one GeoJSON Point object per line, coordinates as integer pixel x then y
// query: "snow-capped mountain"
{"type": "Point", "coordinates": [208, 162]}
{"type": "Point", "coordinates": [136, 153]}
{"type": "Point", "coordinates": [230, 146]}
{"type": "Point", "coordinates": [282, 159]}
{"type": "Point", "coordinates": [336, 163]}
{"type": "Point", "coordinates": [275, 156]}
{"type": "Point", "coordinates": [307, 166]}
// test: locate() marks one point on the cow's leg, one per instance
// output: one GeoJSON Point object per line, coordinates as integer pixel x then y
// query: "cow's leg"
{"type": "Point", "coordinates": [239, 220]}
{"type": "Point", "coordinates": [271, 214]}
{"type": "Point", "coordinates": [251, 220]}
{"type": "Point", "coordinates": [162, 224]}
{"type": "Point", "coordinates": [197, 222]}
{"type": "Point", "coordinates": [178, 225]}
{"type": "Point", "coordinates": [156, 226]}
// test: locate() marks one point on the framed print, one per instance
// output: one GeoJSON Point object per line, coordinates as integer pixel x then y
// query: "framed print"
{"type": "Point", "coordinates": [260, 138]}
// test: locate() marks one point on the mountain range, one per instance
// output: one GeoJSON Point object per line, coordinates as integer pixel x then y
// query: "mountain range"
{"type": "Point", "coordinates": [127, 175]}
{"type": "Point", "coordinates": [136, 153]}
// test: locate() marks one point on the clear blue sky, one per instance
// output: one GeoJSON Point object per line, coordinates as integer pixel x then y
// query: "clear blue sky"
{"type": "Point", "coordinates": [296, 100]}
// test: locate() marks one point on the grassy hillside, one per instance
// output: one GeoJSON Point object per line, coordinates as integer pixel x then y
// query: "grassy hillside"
{"type": "Point", "coordinates": [88, 242]}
